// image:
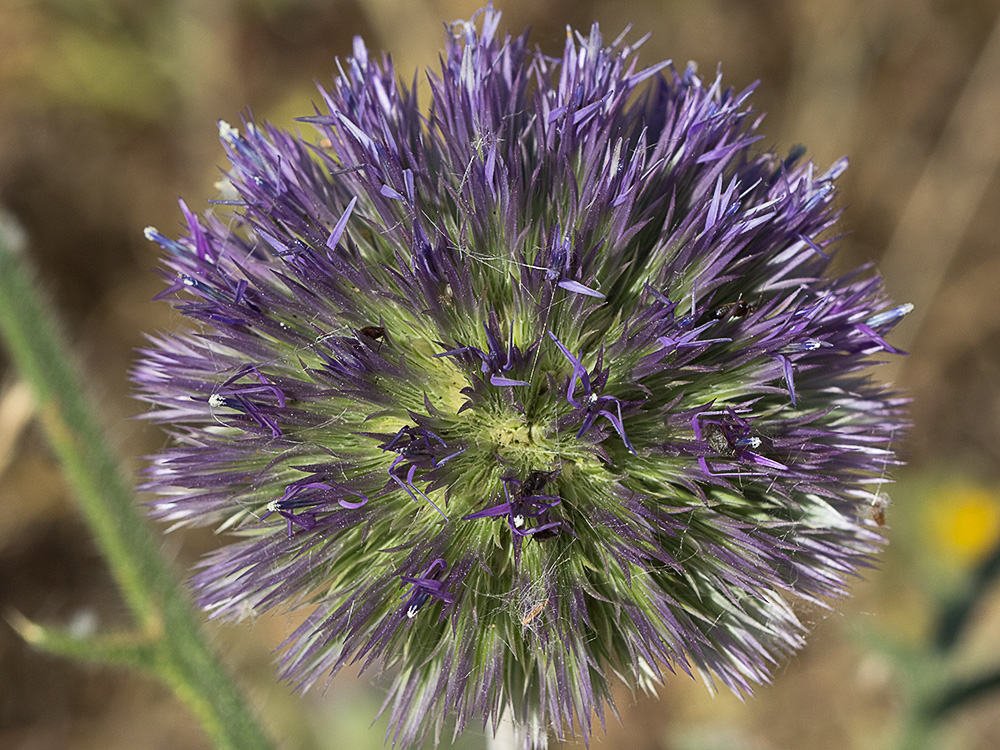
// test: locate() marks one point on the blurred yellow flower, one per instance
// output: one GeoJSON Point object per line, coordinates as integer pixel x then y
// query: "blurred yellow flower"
{"type": "Point", "coordinates": [964, 522]}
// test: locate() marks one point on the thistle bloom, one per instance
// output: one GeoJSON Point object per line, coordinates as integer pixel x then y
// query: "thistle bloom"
{"type": "Point", "coordinates": [532, 388]}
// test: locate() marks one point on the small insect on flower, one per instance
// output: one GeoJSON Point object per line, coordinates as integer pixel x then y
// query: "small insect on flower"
{"type": "Point", "coordinates": [511, 355]}
{"type": "Point", "coordinates": [533, 613]}
{"type": "Point", "coordinates": [718, 441]}
{"type": "Point", "coordinates": [879, 506]}
{"type": "Point", "coordinates": [733, 310]}
{"type": "Point", "coordinates": [373, 333]}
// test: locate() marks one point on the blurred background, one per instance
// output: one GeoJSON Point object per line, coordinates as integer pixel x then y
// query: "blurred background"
{"type": "Point", "coordinates": [107, 115]}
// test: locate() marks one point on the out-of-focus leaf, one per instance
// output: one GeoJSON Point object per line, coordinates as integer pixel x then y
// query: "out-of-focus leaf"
{"type": "Point", "coordinates": [113, 74]}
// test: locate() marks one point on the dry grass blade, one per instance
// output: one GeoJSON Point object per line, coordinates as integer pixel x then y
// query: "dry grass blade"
{"type": "Point", "coordinates": [949, 190]}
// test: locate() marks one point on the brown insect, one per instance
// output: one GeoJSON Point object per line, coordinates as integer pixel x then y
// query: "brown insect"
{"type": "Point", "coordinates": [535, 611]}
{"type": "Point", "coordinates": [879, 505]}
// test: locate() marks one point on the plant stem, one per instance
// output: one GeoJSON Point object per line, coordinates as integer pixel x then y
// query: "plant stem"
{"type": "Point", "coordinates": [161, 609]}
{"type": "Point", "coordinates": [956, 616]}
{"type": "Point", "coordinates": [958, 695]}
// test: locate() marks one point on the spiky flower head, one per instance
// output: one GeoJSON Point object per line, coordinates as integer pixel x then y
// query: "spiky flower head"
{"type": "Point", "coordinates": [532, 388]}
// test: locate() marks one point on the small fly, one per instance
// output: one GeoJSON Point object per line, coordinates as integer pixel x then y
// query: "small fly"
{"type": "Point", "coordinates": [375, 333]}
{"type": "Point", "coordinates": [733, 310]}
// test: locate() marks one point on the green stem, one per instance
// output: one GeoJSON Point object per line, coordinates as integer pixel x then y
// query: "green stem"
{"type": "Point", "coordinates": [956, 616]}
{"type": "Point", "coordinates": [130, 649]}
{"type": "Point", "coordinates": [958, 695]}
{"type": "Point", "coordinates": [106, 498]}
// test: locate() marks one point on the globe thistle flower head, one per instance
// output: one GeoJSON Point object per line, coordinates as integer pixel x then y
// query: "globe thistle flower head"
{"type": "Point", "coordinates": [536, 387]}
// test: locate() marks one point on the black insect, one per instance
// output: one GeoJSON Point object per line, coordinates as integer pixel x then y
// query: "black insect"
{"type": "Point", "coordinates": [374, 333]}
{"type": "Point", "coordinates": [526, 509]}
{"type": "Point", "coordinates": [535, 482]}
{"type": "Point", "coordinates": [733, 310]}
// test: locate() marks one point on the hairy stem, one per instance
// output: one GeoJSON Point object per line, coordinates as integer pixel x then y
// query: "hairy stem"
{"type": "Point", "coordinates": [183, 660]}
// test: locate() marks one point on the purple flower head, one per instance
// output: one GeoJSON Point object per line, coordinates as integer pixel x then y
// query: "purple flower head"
{"type": "Point", "coordinates": [537, 385]}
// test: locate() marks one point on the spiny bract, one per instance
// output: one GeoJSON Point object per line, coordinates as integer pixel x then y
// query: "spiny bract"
{"type": "Point", "coordinates": [537, 387]}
